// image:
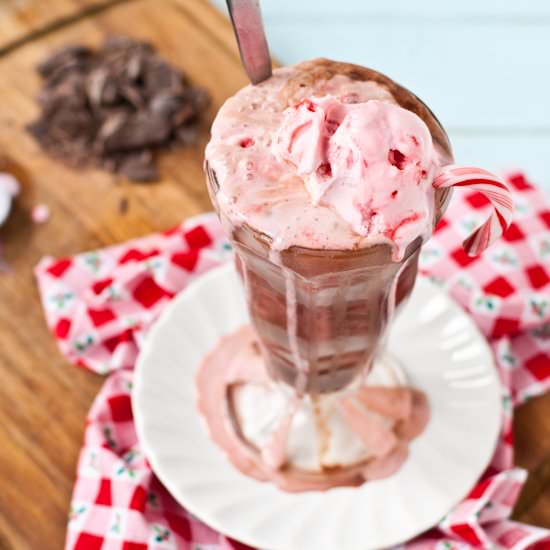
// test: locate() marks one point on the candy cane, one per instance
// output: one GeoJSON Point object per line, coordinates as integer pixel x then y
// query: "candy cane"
{"type": "Point", "coordinates": [491, 187]}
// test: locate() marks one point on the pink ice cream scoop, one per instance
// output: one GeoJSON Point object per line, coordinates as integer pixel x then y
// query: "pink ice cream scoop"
{"type": "Point", "coordinates": [337, 164]}
{"type": "Point", "coordinates": [372, 162]}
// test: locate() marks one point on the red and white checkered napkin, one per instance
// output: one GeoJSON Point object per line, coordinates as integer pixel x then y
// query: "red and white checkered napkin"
{"type": "Point", "coordinates": [100, 304]}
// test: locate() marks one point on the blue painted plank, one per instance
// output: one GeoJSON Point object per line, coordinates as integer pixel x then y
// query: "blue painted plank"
{"type": "Point", "coordinates": [495, 9]}
{"type": "Point", "coordinates": [471, 77]}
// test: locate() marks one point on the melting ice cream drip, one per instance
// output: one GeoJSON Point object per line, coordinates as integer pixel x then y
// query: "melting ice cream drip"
{"type": "Point", "coordinates": [340, 312]}
{"type": "Point", "coordinates": [275, 451]}
{"type": "Point", "coordinates": [384, 419]}
{"type": "Point", "coordinates": [292, 332]}
{"type": "Point", "coordinates": [392, 299]}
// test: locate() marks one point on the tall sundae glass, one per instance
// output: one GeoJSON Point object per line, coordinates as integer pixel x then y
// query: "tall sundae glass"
{"type": "Point", "coordinates": [323, 177]}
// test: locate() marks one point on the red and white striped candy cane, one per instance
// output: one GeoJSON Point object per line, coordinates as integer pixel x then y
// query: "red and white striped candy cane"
{"type": "Point", "coordinates": [491, 187]}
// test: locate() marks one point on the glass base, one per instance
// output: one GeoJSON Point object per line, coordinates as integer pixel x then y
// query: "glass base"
{"type": "Point", "coordinates": [320, 436]}
{"type": "Point", "coordinates": [309, 442]}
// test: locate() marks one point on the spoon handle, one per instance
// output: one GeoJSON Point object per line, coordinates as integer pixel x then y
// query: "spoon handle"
{"type": "Point", "coordinates": [249, 31]}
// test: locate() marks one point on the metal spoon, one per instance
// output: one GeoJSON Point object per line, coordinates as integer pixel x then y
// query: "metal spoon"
{"type": "Point", "coordinates": [249, 31]}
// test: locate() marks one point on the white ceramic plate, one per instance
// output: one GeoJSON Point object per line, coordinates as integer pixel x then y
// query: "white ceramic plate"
{"type": "Point", "coordinates": [445, 356]}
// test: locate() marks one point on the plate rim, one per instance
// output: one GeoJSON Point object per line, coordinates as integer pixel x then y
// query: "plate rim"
{"type": "Point", "coordinates": [139, 417]}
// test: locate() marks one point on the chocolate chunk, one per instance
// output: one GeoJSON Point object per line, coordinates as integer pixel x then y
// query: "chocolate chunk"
{"type": "Point", "coordinates": [70, 94]}
{"type": "Point", "coordinates": [95, 85]}
{"type": "Point", "coordinates": [198, 97]}
{"type": "Point", "coordinates": [132, 95]}
{"type": "Point", "coordinates": [110, 93]}
{"type": "Point", "coordinates": [158, 76]}
{"type": "Point", "coordinates": [135, 66]}
{"type": "Point", "coordinates": [139, 167]}
{"type": "Point", "coordinates": [135, 132]}
{"type": "Point", "coordinates": [112, 106]}
{"type": "Point", "coordinates": [166, 104]}
{"type": "Point", "coordinates": [75, 55]}
{"type": "Point", "coordinates": [180, 107]}
{"type": "Point", "coordinates": [187, 135]}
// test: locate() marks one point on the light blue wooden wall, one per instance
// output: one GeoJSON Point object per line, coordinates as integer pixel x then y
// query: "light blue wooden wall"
{"type": "Point", "coordinates": [483, 66]}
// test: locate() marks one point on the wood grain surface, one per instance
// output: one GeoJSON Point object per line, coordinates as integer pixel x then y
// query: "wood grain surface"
{"type": "Point", "coordinates": [22, 20]}
{"type": "Point", "coordinates": [43, 400]}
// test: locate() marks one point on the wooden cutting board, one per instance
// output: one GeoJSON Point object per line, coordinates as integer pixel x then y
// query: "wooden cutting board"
{"type": "Point", "coordinates": [43, 400]}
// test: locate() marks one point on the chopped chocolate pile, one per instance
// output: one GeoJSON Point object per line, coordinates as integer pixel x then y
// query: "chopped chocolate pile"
{"type": "Point", "coordinates": [115, 107]}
